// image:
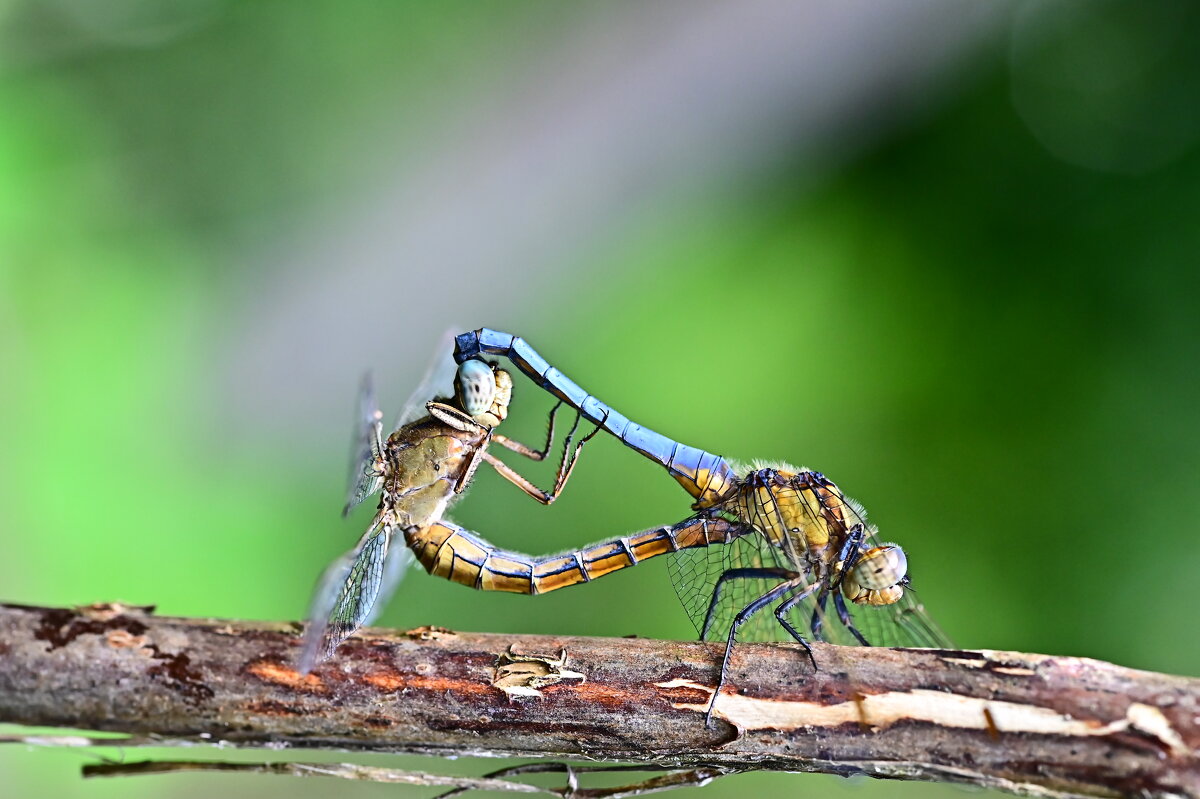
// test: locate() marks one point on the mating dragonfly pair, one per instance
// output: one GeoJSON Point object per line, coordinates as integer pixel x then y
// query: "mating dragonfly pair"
{"type": "Point", "coordinates": [761, 536]}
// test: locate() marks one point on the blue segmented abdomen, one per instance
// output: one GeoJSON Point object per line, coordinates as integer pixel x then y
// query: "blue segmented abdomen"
{"type": "Point", "coordinates": [708, 478]}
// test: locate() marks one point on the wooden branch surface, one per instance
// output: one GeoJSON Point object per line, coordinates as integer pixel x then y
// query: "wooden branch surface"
{"type": "Point", "coordinates": [1049, 726]}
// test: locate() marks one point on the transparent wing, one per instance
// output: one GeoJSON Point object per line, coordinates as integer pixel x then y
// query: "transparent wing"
{"type": "Point", "coordinates": [399, 562]}
{"type": "Point", "coordinates": [696, 572]}
{"type": "Point", "coordinates": [438, 380]}
{"type": "Point", "coordinates": [365, 476]}
{"type": "Point", "coordinates": [905, 623]}
{"type": "Point", "coordinates": [346, 595]}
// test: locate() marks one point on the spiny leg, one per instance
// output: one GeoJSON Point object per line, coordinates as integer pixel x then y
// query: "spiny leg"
{"type": "Point", "coordinates": [527, 451]}
{"type": "Point", "coordinates": [449, 415]}
{"type": "Point", "coordinates": [839, 602]}
{"type": "Point", "coordinates": [781, 614]}
{"type": "Point", "coordinates": [564, 470]}
{"type": "Point", "coordinates": [568, 464]}
{"type": "Point", "coordinates": [738, 621]}
{"type": "Point", "coordinates": [847, 558]}
{"type": "Point", "coordinates": [818, 615]}
{"type": "Point", "coordinates": [478, 455]}
{"type": "Point", "coordinates": [459, 420]}
{"type": "Point", "coordinates": [745, 573]}
{"type": "Point", "coordinates": [568, 457]}
{"type": "Point", "coordinates": [848, 554]}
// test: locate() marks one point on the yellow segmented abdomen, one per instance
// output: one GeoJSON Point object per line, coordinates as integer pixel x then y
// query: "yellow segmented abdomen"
{"type": "Point", "coordinates": [447, 550]}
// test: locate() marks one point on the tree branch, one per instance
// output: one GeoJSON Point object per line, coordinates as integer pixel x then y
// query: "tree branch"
{"type": "Point", "coordinates": [1049, 726]}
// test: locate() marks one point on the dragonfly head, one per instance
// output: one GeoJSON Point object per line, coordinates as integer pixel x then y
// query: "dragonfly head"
{"type": "Point", "coordinates": [475, 387]}
{"type": "Point", "coordinates": [483, 391]}
{"type": "Point", "coordinates": [879, 576]}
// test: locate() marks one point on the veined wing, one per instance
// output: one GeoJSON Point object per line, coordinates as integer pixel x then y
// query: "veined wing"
{"type": "Point", "coordinates": [695, 574]}
{"type": "Point", "coordinates": [396, 564]}
{"type": "Point", "coordinates": [365, 474]}
{"type": "Point", "coordinates": [438, 381]}
{"type": "Point", "coordinates": [905, 623]}
{"type": "Point", "coordinates": [346, 595]}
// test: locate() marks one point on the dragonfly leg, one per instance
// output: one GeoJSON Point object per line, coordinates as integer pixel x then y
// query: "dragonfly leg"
{"type": "Point", "coordinates": [818, 616]}
{"type": "Point", "coordinates": [847, 558]}
{"type": "Point", "coordinates": [747, 573]}
{"type": "Point", "coordinates": [781, 614]}
{"type": "Point", "coordinates": [850, 551]}
{"type": "Point", "coordinates": [530, 452]}
{"type": "Point", "coordinates": [448, 414]}
{"type": "Point", "coordinates": [743, 615]}
{"type": "Point", "coordinates": [477, 457]}
{"type": "Point", "coordinates": [515, 477]}
{"type": "Point", "coordinates": [839, 602]}
{"type": "Point", "coordinates": [570, 458]}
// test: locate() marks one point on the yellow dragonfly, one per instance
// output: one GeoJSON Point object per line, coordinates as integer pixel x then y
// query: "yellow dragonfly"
{"type": "Point", "coordinates": [420, 469]}
{"type": "Point", "coordinates": [793, 539]}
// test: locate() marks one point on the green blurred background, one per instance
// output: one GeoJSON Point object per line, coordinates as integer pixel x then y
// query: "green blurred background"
{"type": "Point", "coordinates": [943, 252]}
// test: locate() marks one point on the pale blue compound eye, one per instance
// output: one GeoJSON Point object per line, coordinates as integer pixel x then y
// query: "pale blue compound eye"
{"type": "Point", "coordinates": [475, 386]}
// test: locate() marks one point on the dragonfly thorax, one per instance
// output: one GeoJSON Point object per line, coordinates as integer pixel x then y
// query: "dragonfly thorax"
{"type": "Point", "coordinates": [800, 512]}
{"type": "Point", "coordinates": [878, 576]}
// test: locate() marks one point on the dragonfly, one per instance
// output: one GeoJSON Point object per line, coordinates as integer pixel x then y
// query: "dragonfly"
{"type": "Point", "coordinates": [420, 469]}
{"type": "Point", "coordinates": [796, 541]}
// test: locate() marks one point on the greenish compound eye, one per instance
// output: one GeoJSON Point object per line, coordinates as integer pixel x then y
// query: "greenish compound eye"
{"type": "Point", "coordinates": [475, 386]}
{"type": "Point", "coordinates": [882, 568]}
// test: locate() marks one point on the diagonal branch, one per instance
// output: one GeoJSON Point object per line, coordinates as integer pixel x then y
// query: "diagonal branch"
{"type": "Point", "coordinates": [1050, 726]}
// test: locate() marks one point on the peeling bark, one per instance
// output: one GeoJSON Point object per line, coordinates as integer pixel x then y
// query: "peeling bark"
{"type": "Point", "coordinates": [1048, 726]}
